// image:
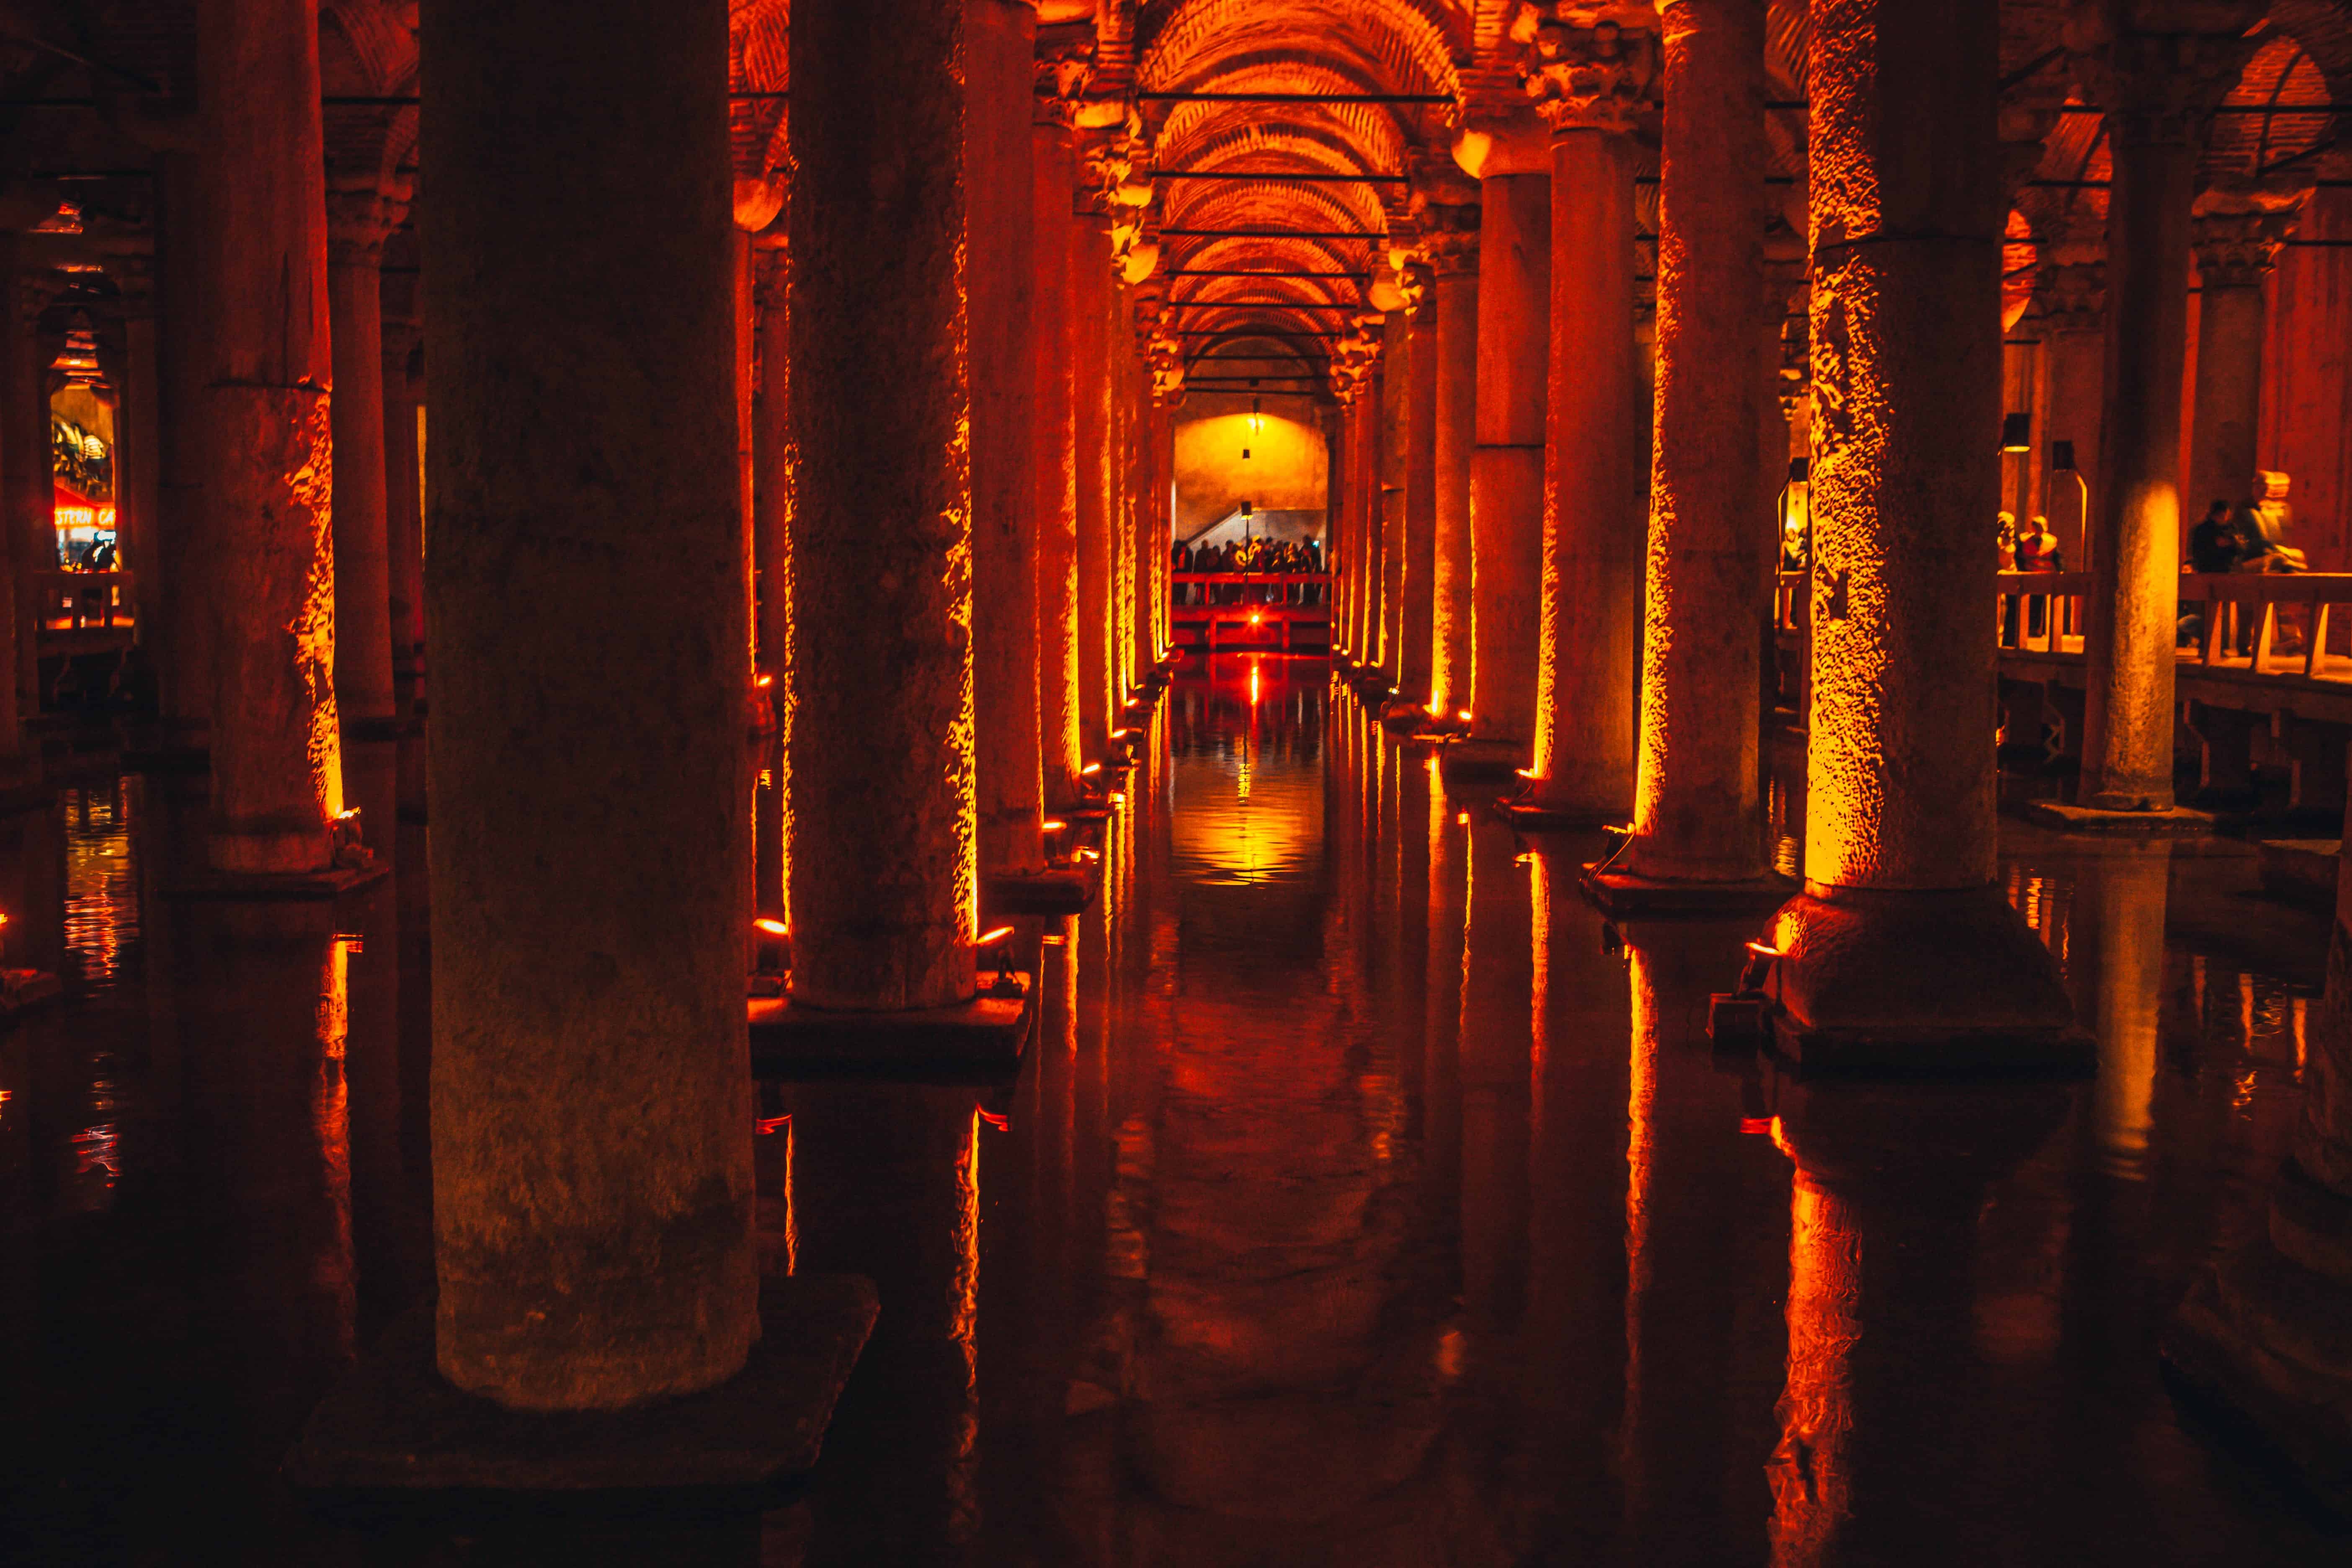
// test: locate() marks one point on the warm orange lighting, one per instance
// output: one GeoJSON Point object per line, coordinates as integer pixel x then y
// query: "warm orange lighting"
{"type": "Point", "coordinates": [1756, 1126]}
{"type": "Point", "coordinates": [1089, 769]}
{"type": "Point", "coordinates": [1001, 1122]}
{"type": "Point", "coordinates": [1052, 825]}
{"type": "Point", "coordinates": [990, 938]}
{"type": "Point", "coordinates": [1255, 618]}
{"type": "Point", "coordinates": [85, 517]}
{"type": "Point", "coordinates": [1088, 855]}
{"type": "Point", "coordinates": [1463, 817]}
{"type": "Point", "coordinates": [764, 681]}
{"type": "Point", "coordinates": [1118, 797]}
{"type": "Point", "coordinates": [1763, 949]}
{"type": "Point", "coordinates": [1464, 715]}
{"type": "Point", "coordinates": [764, 1125]}
{"type": "Point", "coordinates": [772, 926]}
{"type": "Point", "coordinates": [1527, 774]}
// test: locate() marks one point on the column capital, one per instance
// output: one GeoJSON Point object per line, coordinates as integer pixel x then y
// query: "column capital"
{"type": "Point", "coordinates": [2072, 290]}
{"type": "Point", "coordinates": [361, 215]}
{"type": "Point", "coordinates": [1064, 69]}
{"type": "Point", "coordinates": [1593, 65]}
{"type": "Point", "coordinates": [2159, 68]}
{"type": "Point", "coordinates": [1444, 204]}
{"type": "Point", "coordinates": [2238, 227]}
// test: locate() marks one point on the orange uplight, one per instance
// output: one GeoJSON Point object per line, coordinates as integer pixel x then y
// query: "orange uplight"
{"type": "Point", "coordinates": [1090, 768]}
{"type": "Point", "coordinates": [1463, 817]}
{"type": "Point", "coordinates": [1088, 855]}
{"type": "Point", "coordinates": [1763, 949]}
{"type": "Point", "coordinates": [1255, 618]}
{"type": "Point", "coordinates": [772, 926]}
{"type": "Point", "coordinates": [1002, 1123]}
{"type": "Point", "coordinates": [1464, 715]}
{"type": "Point", "coordinates": [991, 938]}
{"type": "Point", "coordinates": [764, 681]}
{"type": "Point", "coordinates": [764, 1125]}
{"type": "Point", "coordinates": [1118, 797]}
{"type": "Point", "coordinates": [1052, 825]}
{"type": "Point", "coordinates": [1527, 774]}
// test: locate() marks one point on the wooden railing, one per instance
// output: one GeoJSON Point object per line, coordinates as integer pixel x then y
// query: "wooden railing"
{"type": "Point", "coordinates": [76, 601]}
{"type": "Point", "coordinates": [1267, 609]}
{"type": "Point", "coordinates": [2285, 625]}
{"type": "Point", "coordinates": [1261, 587]}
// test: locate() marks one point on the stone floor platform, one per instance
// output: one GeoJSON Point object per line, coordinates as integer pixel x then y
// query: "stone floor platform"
{"type": "Point", "coordinates": [395, 1428]}
{"type": "Point", "coordinates": [2179, 820]}
{"type": "Point", "coordinates": [978, 1042]}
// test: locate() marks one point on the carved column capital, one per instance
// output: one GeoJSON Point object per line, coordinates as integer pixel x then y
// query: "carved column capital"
{"type": "Point", "coordinates": [360, 216]}
{"type": "Point", "coordinates": [2072, 291]}
{"type": "Point", "coordinates": [2159, 68]}
{"type": "Point", "coordinates": [2237, 229]}
{"type": "Point", "coordinates": [1591, 64]}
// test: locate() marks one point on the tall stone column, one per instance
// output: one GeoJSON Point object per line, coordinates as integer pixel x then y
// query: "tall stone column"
{"type": "Point", "coordinates": [1001, 67]}
{"type": "Point", "coordinates": [774, 470]}
{"type": "Point", "coordinates": [1590, 629]}
{"type": "Point", "coordinates": [404, 505]}
{"type": "Point", "coordinates": [266, 450]}
{"type": "Point", "coordinates": [1506, 465]}
{"type": "Point", "coordinates": [1119, 477]}
{"type": "Point", "coordinates": [1396, 433]}
{"type": "Point", "coordinates": [2236, 233]}
{"type": "Point", "coordinates": [27, 493]}
{"type": "Point", "coordinates": [1697, 805]}
{"type": "Point", "coordinates": [181, 640]}
{"type": "Point", "coordinates": [2074, 340]}
{"type": "Point", "coordinates": [1417, 611]}
{"type": "Point", "coordinates": [358, 221]}
{"type": "Point", "coordinates": [1454, 249]}
{"type": "Point", "coordinates": [592, 1187]}
{"type": "Point", "coordinates": [137, 464]}
{"type": "Point", "coordinates": [1159, 533]}
{"type": "Point", "coordinates": [883, 868]}
{"type": "Point", "coordinates": [2157, 89]}
{"type": "Point", "coordinates": [1054, 446]}
{"type": "Point", "coordinates": [1090, 378]}
{"type": "Point", "coordinates": [1147, 521]}
{"type": "Point", "coordinates": [1358, 533]}
{"type": "Point", "coordinates": [1901, 950]}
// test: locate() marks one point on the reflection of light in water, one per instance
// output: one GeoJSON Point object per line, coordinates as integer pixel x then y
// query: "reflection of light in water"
{"type": "Point", "coordinates": [101, 912]}
{"type": "Point", "coordinates": [1246, 820]}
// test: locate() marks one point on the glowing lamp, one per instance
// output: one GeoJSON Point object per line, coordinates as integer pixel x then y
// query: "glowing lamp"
{"type": "Point", "coordinates": [764, 681]}
{"type": "Point", "coordinates": [991, 938]}
{"type": "Point", "coordinates": [1763, 949]}
{"type": "Point", "coordinates": [1464, 715]}
{"type": "Point", "coordinates": [1462, 818]}
{"type": "Point", "coordinates": [1091, 768]}
{"type": "Point", "coordinates": [1053, 825]}
{"type": "Point", "coordinates": [773, 928]}
{"type": "Point", "coordinates": [1118, 797]}
{"type": "Point", "coordinates": [2017, 432]}
{"type": "Point", "coordinates": [1088, 855]}
{"type": "Point", "coordinates": [1255, 618]}
{"type": "Point", "coordinates": [2062, 456]}
{"type": "Point", "coordinates": [1527, 774]}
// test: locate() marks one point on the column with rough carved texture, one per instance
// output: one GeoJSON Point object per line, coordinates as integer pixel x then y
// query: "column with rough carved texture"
{"type": "Point", "coordinates": [2158, 89]}
{"type": "Point", "coordinates": [267, 451]}
{"type": "Point", "coordinates": [883, 859]}
{"type": "Point", "coordinates": [1901, 951]}
{"type": "Point", "coordinates": [1417, 614]}
{"type": "Point", "coordinates": [357, 223]}
{"type": "Point", "coordinates": [1454, 244]}
{"type": "Point", "coordinates": [1054, 445]}
{"type": "Point", "coordinates": [2237, 233]}
{"type": "Point", "coordinates": [1697, 803]}
{"type": "Point", "coordinates": [591, 1163]}
{"type": "Point", "coordinates": [1090, 383]}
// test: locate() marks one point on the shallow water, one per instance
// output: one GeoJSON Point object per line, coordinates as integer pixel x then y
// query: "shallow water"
{"type": "Point", "coordinates": [1365, 1199]}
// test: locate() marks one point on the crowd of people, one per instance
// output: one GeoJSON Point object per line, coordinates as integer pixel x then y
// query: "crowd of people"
{"type": "Point", "coordinates": [1270, 558]}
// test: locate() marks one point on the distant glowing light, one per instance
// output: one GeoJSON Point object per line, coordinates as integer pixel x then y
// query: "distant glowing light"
{"type": "Point", "coordinates": [1002, 1123]}
{"type": "Point", "coordinates": [1463, 817]}
{"type": "Point", "coordinates": [1764, 950]}
{"type": "Point", "coordinates": [764, 1125]}
{"type": "Point", "coordinates": [772, 927]}
{"type": "Point", "coordinates": [1090, 768]}
{"type": "Point", "coordinates": [990, 938]}
{"type": "Point", "coordinates": [1053, 825]}
{"type": "Point", "coordinates": [764, 681]}
{"type": "Point", "coordinates": [1464, 715]}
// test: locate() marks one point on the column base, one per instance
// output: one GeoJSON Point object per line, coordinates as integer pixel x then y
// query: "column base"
{"type": "Point", "coordinates": [1624, 893]}
{"type": "Point", "coordinates": [1049, 892]}
{"type": "Point", "coordinates": [1530, 815]}
{"type": "Point", "coordinates": [2265, 1342]}
{"type": "Point", "coordinates": [977, 1042]}
{"type": "Point", "coordinates": [2176, 820]}
{"type": "Point", "coordinates": [1938, 981]}
{"type": "Point", "coordinates": [1479, 756]}
{"type": "Point", "coordinates": [395, 1428]}
{"type": "Point", "coordinates": [332, 883]}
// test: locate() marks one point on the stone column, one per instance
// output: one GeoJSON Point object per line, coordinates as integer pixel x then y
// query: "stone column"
{"type": "Point", "coordinates": [358, 221]}
{"type": "Point", "coordinates": [1418, 611]}
{"type": "Point", "coordinates": [1090, 373]}
{"type": "Point", "coordinates": [773, 474]}
{"type": "Point", "coordinates": [1160, 533]}
{"type": "Point", "coordinates": [27, 493]}
{"type": "Point", "coordinates": [137, 463]}
{"type": "Point", "coordinates": [1362, 498]}
{"type": "Point", "coordinates": [2236, 233]}
{"type": "Point", "coordinates": [1454, 249]}
{"type": "Point", "coordinates": [265, 455]}
{"type": "Point", "coordinates": [1508, 463]}
{"type": "Point", "coordinates": [592, 1187]}
{"type": "Point", "coordinates": [882, 856]}
{"type": "Point", "coordinates": [403, 508]}
{"type": "Point", "coordinates": [1147, 525]}
{"type": "Point", "coordinates": [1000, 67]}
{"type": "Point", "coordinates": [1697, 807]}
{"type": "Point", "coordinates": [180, 640]}
{"type": "Point", "coordinates": [1119, 477]}
{"type": "Point", "coordinates": [1901, 950]}
{"type": "Point", "coordinates": [1054, 447]}
{"type": "Point", "coordinates": [2158, 88]}
{"type": "Point", "coordinates": [1590, 643]}
{"type": "Point", "coordinates": [1396, 426]}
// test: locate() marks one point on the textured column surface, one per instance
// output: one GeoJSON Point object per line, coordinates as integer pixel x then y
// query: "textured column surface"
{"type": "Point", "coordinates": [1456, 291]}
{"type": "Point", "coordinates": [362, 565]}
{"type": "Point", "coordinates": [1054, 450]}
{"type": "Point", "coordinates": [1090, 386]}
{"type": "Point", "coordinates": [2237, 235]}
{"type": "Point", "coordinates": [1590, 625]}
{"type": "Point", "coordinates": [266, 447]}
{"type": "Point", "coordinates": [1506, 464]}
{"type": "Point", "coordinates": [1697, 804]}
{"type": "Point", "coordinates": [1396, 436]}
{"type": "Point", "coordinates": [1901, 942]}
{"type": "Point", "coordinates": [403, 513]}
{"type": "Point", "coordinates": [1147, 521]}
{"type": "Point", "coordinates": [593, 1192]}
{"type": "Point", "coordinates": [774, 475]}
{"type": "Point", "coordinates": [883, 874]}
{"type": "Point", "coordinates": [1417, 614]}
{"type": "Point", "coordinates": [27, 498]}
{"type": "Point", "coordinates": [137, 461]}
{"type": "Point", "coordinates": [1001, 50]}
{"type": "Point", "coordinates": [2156, 88]}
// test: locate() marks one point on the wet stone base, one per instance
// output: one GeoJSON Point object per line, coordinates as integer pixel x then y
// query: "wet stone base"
{"type": "Point", "coordinates": [1623, 893]}
{"type": "Point", "coordinates": [2179, 820]}
{"type": "Point", "coordinates": [978, 1042]}
{"type": "Point", "coordinates": [395, 1428]}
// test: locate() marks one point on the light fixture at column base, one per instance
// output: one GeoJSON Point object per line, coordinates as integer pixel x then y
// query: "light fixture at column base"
{"type": "Point", "coordinates": [395, 1429]}
{"type": "Point", "coordinates": [2263, 1343]}
{"type": "Point", "coordinates": [1623, 893]}
{"type": "Point", "coordinates": [1947, 980]}
{"type": "Point", "coordinates": [979, 1041]}
{"type": "Point", "coordinates": [2177, 820]}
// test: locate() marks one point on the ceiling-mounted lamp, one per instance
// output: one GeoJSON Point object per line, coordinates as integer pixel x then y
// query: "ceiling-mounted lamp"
{"type": "Point", "coordinates": [2017, 432]}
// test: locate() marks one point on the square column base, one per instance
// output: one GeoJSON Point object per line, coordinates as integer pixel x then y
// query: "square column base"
{"type": "Point", "coordinates": [975, 1042]}
{"type": "Point", "coordinates": [2180, 820]}
{"type": "Point", "coordinates": [1049, 892]}
{"type": "Point", "coordinates": [1626, 894]}
{"type": "Point", "coordinates": [395, 1428]}
{"type": "Point", "coordinates": [332, 883]}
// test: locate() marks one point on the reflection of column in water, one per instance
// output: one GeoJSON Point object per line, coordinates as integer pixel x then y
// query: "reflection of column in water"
{"type": "Point", "coordinates": [265, 1009]}
{"type": "Point", "coordinates": [1495, 985]}
{"type": "Point", "coordinates": [886, 1183]}
{"type": "Point", "coordinates": [1882, 1386]}
{"type": "Point", "coordinates": [1442, 1019]}
{"type": "Point", "coordinates": [2119, 908]}
{"type": "Point", "coordinates": [390, 1236]}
